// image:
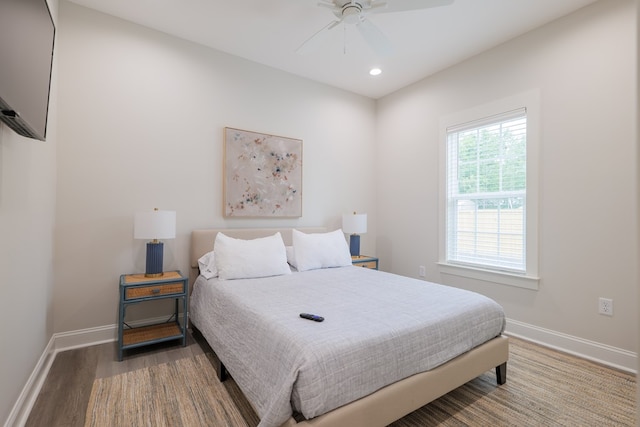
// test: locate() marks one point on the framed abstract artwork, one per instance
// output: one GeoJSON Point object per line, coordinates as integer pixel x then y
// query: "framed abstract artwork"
{"type": "Point", "coordinates": [262, 175]}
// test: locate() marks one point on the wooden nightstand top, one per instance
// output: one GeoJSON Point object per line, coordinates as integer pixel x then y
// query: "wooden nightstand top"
{"type": "Point", "coordinates": [363, 258]}
{"type": "Point", "coordinates": [129, 279]}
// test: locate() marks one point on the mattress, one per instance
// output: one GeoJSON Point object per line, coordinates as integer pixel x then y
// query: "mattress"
{"type": "Point", "coordinates": [379, 328]}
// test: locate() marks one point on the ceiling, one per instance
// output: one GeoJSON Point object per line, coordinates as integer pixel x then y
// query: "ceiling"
{"type": "Point", "coordinates": [425, 41]}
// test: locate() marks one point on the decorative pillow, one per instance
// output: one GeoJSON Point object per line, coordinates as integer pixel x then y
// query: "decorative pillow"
{"type": "Point", "coordinates": [246, 259]}
{"type": "Point", "coordinates": [207, 265]}
{"type": "Point", "coordinates": [320, 250]}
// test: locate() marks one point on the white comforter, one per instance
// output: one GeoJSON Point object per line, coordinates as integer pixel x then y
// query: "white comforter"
{"type": "Point", "coordinates": [378, 328]}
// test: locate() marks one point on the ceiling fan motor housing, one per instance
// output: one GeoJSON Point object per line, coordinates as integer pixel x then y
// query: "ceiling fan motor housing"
{"type": "Point", "coordinates": [350, 12]}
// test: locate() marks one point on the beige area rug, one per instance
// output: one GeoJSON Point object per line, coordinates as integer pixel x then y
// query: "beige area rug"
{"type": "Point", "coordinates": [185, 392]}
{"type": "Point", "coordinates": [544, 388]}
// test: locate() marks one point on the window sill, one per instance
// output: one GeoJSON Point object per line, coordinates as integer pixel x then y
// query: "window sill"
{"type": "Point", "coordinates": [503, 278]}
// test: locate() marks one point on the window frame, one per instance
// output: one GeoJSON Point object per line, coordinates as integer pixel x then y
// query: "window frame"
{"type": "Point", "coordinates": [529, 279]}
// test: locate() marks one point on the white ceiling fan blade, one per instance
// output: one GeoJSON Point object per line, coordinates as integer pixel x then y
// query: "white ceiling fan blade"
{"type": "Point", "coordinates": [375, 38]}
{"type": "Point", "coordinates": [316, 40]}
{"type": "Point", "coordinates": [406, 5]}
{"type": "Point", "coordinates": [329, 4]}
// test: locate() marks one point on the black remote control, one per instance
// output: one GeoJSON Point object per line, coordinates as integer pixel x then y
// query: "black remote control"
{"type": "Point", "coordinates": [312, 317]}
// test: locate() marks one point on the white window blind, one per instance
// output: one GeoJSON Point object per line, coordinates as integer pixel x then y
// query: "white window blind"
{"type": "Point", "coordinates": [486, 192]}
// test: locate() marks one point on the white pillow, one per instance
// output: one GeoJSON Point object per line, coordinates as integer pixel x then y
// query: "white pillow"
{"type": "Point", "coordinates": [320, 250]}
{"type": "Point", "coordinates": [246, 259]}
{"type": "Point", "coordinates": [207, 265]}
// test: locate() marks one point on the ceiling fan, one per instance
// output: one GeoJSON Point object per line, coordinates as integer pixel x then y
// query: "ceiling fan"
{"type": "Point", "coordinates": [355, 12]}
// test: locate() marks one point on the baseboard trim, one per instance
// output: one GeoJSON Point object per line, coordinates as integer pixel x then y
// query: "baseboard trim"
{"type": "Point", "coordinates": [94, 336]}
{"type": "Point", "coordinates": [59, 342]}
{"type": "Point", "coordinates": [607, 355]}
{"type": "Point", "coordinates": [20, 412]}
{"type": "Point", "coordinates": [600, 353]}
{"type": "Point", "coordinates": [85, 337]}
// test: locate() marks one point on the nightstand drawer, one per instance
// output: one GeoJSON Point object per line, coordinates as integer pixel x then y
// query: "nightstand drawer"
{"type": "Point", "coordinates": [368, 264]}
{"type": "Point", "coordinates": [365, 261]}
{"type": "Point", "coordinates": [154, 290]}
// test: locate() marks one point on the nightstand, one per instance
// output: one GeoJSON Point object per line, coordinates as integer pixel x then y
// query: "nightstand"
{"type": "Point", "coordinates": [365, 261]}
{"type": "Point", "coordinates": [136, 289]}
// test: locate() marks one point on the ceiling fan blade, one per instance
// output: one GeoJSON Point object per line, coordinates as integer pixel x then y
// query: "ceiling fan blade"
{"type": "Point", "coordinates": [329, 4]}
{"type": "Point", "coordinates": [316, 40]}
{"type": "Point", "coordinates": [375, 38]}
{"type": "Point", "coordinates": [406, 5]}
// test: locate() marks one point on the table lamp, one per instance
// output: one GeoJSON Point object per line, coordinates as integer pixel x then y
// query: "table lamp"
{"type": "Point", "coordinates": [154, 225]}
{"type": "Point", "coordinates": [354, 224]}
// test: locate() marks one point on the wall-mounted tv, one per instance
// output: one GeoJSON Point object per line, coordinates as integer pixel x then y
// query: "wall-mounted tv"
{"type": "Point", "coordinates": [27, 34]}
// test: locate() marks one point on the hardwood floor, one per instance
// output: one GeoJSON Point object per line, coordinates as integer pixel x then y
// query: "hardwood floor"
{"type": "Point", "coordinates": [531, 396]}
{"type": "Point", "coordinates": [65, 394]}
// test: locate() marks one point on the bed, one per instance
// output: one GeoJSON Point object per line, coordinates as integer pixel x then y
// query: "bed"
{"type": "Point", "coordinates": [368, 364]}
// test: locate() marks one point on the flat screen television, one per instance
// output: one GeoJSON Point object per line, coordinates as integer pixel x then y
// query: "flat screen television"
{"type": "Point", "coordinates": [27, 34]}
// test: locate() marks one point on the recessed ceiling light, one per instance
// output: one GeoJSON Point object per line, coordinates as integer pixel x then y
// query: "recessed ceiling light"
{"type": "Point", "coordinates": [375, 71]}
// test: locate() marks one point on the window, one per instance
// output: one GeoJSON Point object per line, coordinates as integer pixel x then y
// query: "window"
{"type": "Point", "coordinates": [487, 193]}
{"type": "Point", "coordinates": [490, 192]}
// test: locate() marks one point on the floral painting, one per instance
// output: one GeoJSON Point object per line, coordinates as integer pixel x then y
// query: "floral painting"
{"type": "Point", "coordinates": [262, 175]}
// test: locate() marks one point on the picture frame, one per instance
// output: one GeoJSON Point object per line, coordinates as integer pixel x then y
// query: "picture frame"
{"type": "Point", "coordinates": [262, 175]}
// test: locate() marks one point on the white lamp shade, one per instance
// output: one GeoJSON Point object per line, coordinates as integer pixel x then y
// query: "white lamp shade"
{"type": "Point", "coordinates": [155, 225]}
{"type": "Point", "coordinates": [354, 223]}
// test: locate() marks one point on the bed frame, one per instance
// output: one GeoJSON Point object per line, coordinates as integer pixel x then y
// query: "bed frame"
{"type": "Point", "coordinates": [396, 400]}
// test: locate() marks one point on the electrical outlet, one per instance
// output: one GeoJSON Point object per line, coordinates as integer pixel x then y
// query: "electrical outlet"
{"type": "Point", "coordinates": [422, 272]}
{"type": "Point", "coordinates": [605, 306]}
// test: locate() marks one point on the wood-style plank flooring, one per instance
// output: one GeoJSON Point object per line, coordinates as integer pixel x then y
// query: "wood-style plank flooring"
{"type": "Point", "coordinates": [65, 394]}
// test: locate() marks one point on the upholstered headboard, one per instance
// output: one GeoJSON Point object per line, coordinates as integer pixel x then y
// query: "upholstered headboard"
{"type": "Point", "coordinates": [202, 240]}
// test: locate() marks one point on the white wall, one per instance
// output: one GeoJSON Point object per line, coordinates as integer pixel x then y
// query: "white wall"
{"type": "Point", "coordinates": [585, 68]}
{"type": "Point", "coordinates": [27, 213]}
{"type": "Point", "coordinates": [141, 126]}
{"type": "Point", "coordinates": [138, 124]}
